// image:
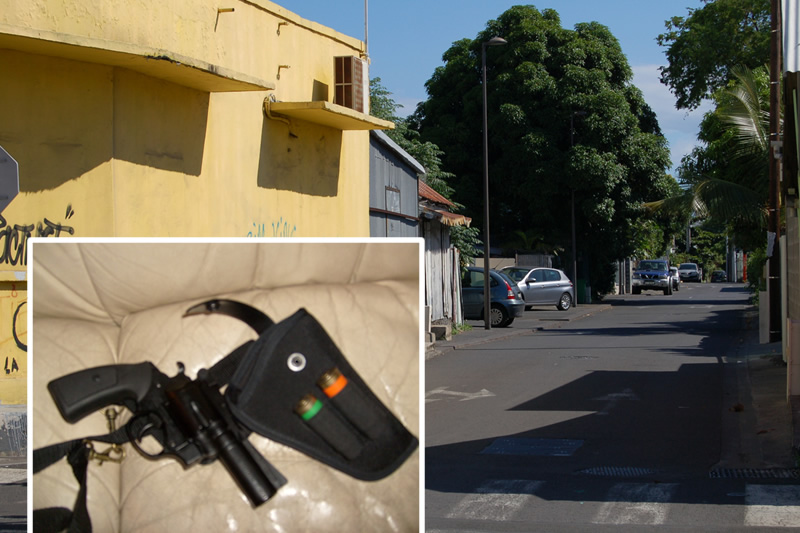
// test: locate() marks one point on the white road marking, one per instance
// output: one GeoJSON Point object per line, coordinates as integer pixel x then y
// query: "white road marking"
{"type": "Point", "coordinates": [772, 506]}
{"type": "Point", "coordinates": [464, 396]}
{"type": "Point", "coordinates": [13, 475]}
{"type": "Point", "coordinates": [636, 503]}
{"type": "Point", "coordinates": [498, 499]}
{"type": "Point", "coordinates": [613, 399]}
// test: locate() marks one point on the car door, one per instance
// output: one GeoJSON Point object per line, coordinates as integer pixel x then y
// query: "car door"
{"type": "Point", "coordinates": [517, 275]}
{"type": "Point", "coordinates": [551, 290]}
{"type": "Point", "coordinates": [472, 293]}
{"type": "Point", "coordinates": [535, 285]}
{"type": "Point", "coordinates": [561, 284]}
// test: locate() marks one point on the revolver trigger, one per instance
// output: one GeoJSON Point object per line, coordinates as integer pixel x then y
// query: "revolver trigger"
{"type": "Point", "coordinates": [144, 425]}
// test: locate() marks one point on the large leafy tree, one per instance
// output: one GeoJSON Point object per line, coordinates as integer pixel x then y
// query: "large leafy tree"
{"type": "Point", "coordinates": [703, 47]}
{"type": "Point", "coordinates": [544, 79]}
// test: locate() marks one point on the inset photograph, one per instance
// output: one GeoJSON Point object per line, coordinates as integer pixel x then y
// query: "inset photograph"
{"type": "Point", "coordinates": [226, 386]}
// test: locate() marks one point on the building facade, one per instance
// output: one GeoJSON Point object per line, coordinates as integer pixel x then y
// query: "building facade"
{"type": "Point", "coordinates": [174, 118]}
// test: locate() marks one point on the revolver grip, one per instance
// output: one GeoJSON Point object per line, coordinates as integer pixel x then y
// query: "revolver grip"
{"type": "Point", "coordinates": [76, 395]}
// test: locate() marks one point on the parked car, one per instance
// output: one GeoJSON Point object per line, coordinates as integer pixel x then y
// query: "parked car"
{"type": "Point", "coordinates": [718, 276]}
{"type": "Point", "coordinates": [652, 275]}
{"type": "Point", "coordinates": [690, 272]}
{"type": "Point", "coordinates": [506, 299]}
{"type": "Point", "coordinates": [543, 286]}
{"type": "Point", "coordinates": [676, 278]}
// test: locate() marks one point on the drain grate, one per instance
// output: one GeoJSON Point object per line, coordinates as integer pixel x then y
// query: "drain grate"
{"type": "Point", "coordinates": [617, 471]}
{"type": "Point", "coordinates": [542, 447]}
{"type": "Point", "coordinates": [757, 473]}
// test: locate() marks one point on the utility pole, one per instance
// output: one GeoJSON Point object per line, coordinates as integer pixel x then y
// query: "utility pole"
{"type": "Point", "coordinates": [773, 222]}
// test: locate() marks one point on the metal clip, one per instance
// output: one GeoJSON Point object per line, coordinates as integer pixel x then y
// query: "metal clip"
{"type": "Point", "coordinates": [114, 453]}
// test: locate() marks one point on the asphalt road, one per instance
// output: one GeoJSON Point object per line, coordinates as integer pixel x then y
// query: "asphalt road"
{"type": "Point", "coordinates": [608, 423]}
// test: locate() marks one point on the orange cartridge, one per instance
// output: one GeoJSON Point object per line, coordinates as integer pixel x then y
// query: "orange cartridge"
{"type": "Point", "coordinates": [361, 410]}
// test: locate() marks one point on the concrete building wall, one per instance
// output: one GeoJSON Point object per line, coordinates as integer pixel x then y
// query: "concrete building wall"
{"type": "Point", "coordinates": [147, 118]}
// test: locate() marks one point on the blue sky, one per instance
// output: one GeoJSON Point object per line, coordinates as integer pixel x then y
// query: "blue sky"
{"type": "Point", "coordinates": [407, 38]}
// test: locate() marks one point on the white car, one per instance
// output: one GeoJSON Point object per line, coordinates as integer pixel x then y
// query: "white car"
{"type": "Point", "coordinates": [676, 278]}
{"type": "Point", "coordinates": [690, 272]}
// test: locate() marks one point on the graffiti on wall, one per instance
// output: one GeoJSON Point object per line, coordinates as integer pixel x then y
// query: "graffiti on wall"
{"type": "Point", "coordinates": [17, 305]}
{"type": "Point", "coordinates": [280, 228]}
{"type": "Point", "coordinates": [14, 237]}
{"type": "Point", "coordinates": [19, 327]}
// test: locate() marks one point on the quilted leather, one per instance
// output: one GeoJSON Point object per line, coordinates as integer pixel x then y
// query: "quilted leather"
{"type": "Point", "coordinates": [99, 303]}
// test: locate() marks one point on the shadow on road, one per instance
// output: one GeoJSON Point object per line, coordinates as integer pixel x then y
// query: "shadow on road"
{"type": "Point", "coordinates": [641, 426]}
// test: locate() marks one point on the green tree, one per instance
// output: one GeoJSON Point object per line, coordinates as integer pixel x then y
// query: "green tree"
{"type": "Point", "coordinates": [704, 47]}
{"type": "Point", "coordinates": [615, 159]}
{"type": "Point", "coordinates": [427, 154]}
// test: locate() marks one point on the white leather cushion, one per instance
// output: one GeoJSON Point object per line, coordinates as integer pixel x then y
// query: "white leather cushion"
{"type": "Point", "coordinates": [375, 322]}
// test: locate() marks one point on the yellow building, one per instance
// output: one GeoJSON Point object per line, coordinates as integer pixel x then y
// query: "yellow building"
{"type": "Point", "coordinates": [174, 118]}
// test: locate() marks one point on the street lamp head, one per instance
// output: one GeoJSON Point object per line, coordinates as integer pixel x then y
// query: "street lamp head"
{"type": "Point", "coordinates": [495, 41]}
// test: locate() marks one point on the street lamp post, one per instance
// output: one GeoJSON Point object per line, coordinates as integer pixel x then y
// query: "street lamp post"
{"type": "Point", "coordinates": [487, 307]}
{"type": "Point", "coordinates": [572, 207]}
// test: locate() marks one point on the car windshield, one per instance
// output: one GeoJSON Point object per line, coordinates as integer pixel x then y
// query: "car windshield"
{"type": "Point", "coordinates": [652, 265]}
{"type": "Point", "coordinates": [687, 266]}
{"type": "Point", "coordinates": [506, 278]}
{"type": "Point", "coordinates": [516, 274]}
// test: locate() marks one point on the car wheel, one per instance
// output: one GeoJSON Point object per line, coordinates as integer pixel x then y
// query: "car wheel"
{"type": "Point", "coordinates": [637, 290]}
{"type": "Point", "coordinates": [499, 316]}
{"type": "Point", "coordinates": [565, 302]}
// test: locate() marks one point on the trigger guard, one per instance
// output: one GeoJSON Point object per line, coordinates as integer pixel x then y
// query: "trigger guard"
{"type": "Point", "coordinates": [149, 428]}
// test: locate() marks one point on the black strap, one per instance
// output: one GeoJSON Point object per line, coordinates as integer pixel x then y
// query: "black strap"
{"type": "Point", "coordinates": [78, 452]}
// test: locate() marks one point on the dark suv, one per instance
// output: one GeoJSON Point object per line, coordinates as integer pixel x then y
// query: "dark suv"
{"type": "Point", "coordinates": [652, 275]}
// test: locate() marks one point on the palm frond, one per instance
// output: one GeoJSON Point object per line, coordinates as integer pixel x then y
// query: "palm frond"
{"type": "Point", "coordinates": [745, 111]}
{"type": "Point", "coordinates": [715, 199]}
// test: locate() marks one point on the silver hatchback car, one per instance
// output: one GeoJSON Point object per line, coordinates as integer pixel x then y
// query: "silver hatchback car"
{"type": "Point", "coordinates": [543, 286]}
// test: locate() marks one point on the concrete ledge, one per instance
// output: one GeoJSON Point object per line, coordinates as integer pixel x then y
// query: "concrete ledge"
{"type": "Point", "coordinates": [442, 331]}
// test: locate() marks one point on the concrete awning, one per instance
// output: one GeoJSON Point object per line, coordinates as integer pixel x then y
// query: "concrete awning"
{"type": "Point", "coordinates": [162, 64]}
{"type": "Point", "coordinates": [329, 114]}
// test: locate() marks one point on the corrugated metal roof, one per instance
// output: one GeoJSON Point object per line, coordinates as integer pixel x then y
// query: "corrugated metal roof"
{"type": "Point", "coordinates": [402, 154]}
{"type": "Point", "coordinates": [427, 192]}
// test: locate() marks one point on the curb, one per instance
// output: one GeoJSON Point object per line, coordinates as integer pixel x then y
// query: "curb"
{"type": "Point", "coordinates": [476, 336]}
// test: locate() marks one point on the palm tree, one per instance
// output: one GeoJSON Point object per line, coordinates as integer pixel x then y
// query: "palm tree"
{"type": "Point", "coordinates": [728, 178]}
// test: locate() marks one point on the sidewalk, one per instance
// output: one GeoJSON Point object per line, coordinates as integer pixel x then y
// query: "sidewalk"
{"type": "Point", "coordinates": [760, 430]}
{"type": "Point", "coordinates": [535, 320]}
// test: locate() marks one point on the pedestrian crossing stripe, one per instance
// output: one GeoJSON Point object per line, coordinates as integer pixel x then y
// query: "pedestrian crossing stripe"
{"type": "Point", "coordinates": [496, 500]}
{"type": "Point", "coordinates": [627, 503]}
{"type": "Point", "coordinates": [765, 505]}
{"type": "Point", "coordinates": [636, 503]}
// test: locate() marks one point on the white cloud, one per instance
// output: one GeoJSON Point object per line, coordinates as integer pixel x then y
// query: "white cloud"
{"type": "Point", "coordinates": [680, 127]}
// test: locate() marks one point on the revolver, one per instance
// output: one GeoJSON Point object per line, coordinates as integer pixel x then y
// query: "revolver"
{"type": "Point", "coordinates": [188, 418]}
